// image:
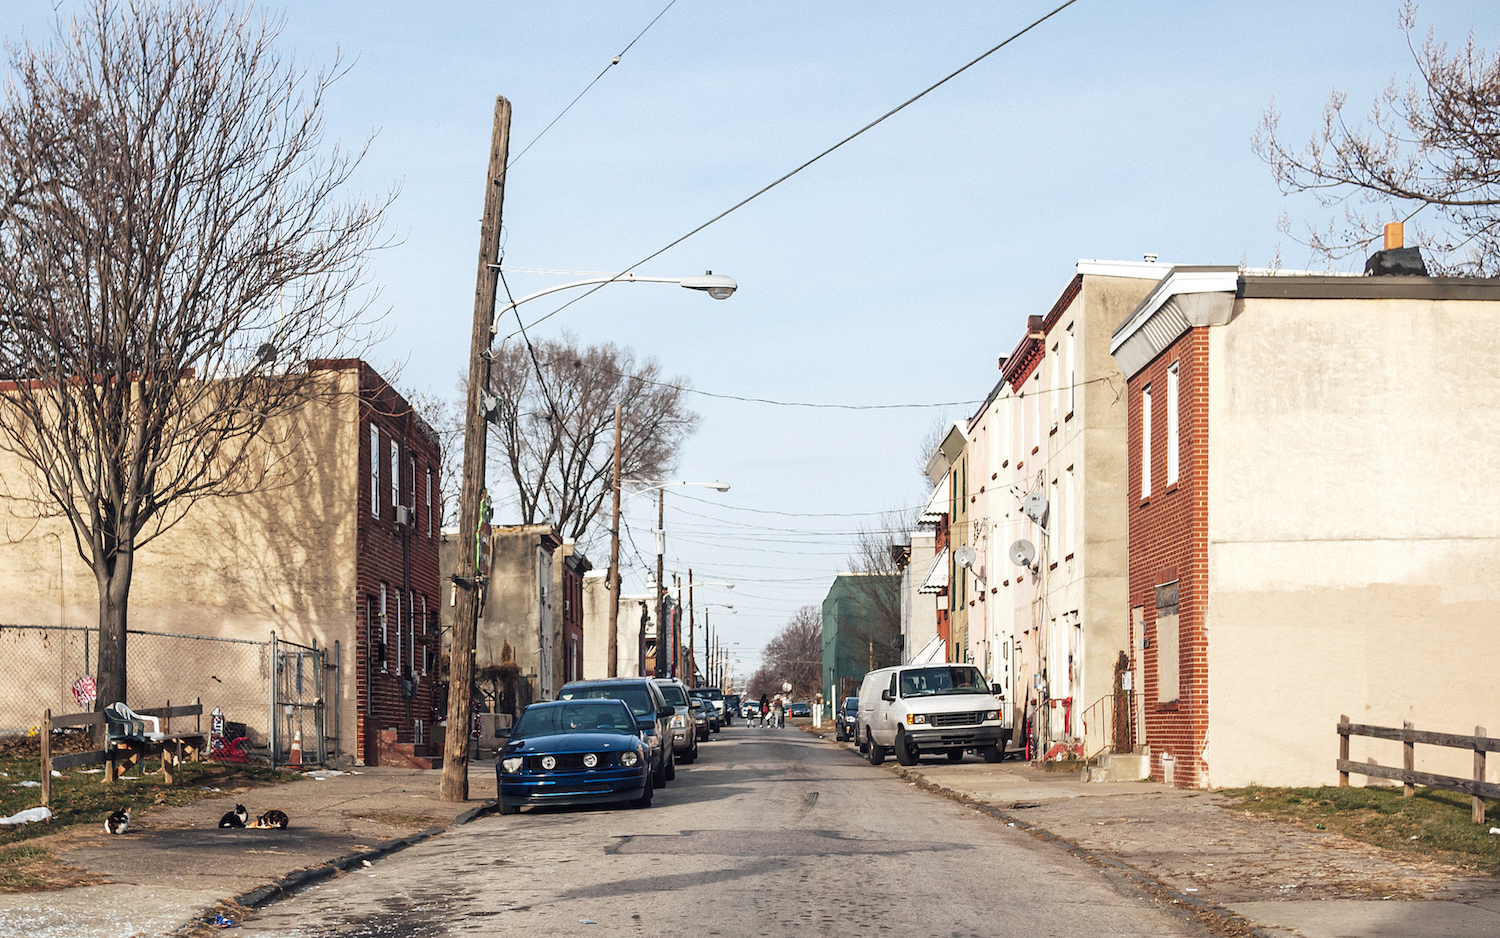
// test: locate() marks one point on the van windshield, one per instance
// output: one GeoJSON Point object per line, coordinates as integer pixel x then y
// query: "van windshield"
{"type": "Point", "coordinates": [674, 694]}
{"type": "Point", "coordinates": [948, 679]}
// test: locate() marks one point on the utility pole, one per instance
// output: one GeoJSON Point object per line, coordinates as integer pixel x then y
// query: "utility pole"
{"type": "Point", "coordinates": [455, 782]}
{"type": "Point", "coordinates": [614, 563]}
{"type": "Point", "coordinates": [690, 681]}
{"type": "Point", "coordinates": [661, 587]}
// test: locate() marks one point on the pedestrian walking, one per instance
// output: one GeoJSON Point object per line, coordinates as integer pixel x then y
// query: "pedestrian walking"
{"type": "Point", "coordinates": [765, 708]}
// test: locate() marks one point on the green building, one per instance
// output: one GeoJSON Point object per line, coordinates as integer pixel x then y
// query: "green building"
{"type": "Point", "coordinates": [861, 630]}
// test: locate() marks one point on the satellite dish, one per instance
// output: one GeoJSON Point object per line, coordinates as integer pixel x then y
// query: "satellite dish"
{"type": "Point", "coordinates": [1035, 506]}
{"type": "Point", "coordinates": [964, 556]}
{"type": "Point", "coordinates": [1022, 553]}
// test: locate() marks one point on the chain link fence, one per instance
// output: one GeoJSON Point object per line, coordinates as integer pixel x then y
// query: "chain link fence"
{"type": "Point", "coordinates": [40, 665]}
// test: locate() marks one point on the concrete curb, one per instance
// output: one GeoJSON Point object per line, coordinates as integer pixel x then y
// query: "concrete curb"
{"type": "Point", "coordinates": [300, 879]}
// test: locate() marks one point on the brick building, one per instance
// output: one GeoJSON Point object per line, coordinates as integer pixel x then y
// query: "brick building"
{"type": "Point", "coordinates": [1311, 468]}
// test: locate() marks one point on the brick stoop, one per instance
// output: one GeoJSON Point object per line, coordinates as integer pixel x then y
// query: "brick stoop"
{"type": "Point", "coordinates": [405, 755]}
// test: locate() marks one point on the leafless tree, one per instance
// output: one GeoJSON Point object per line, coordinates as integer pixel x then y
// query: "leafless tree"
{"type": "Point", "coordinates": [556, 425]}
{"type": "Point", "coordinates": [1432, 144]}
{"type": "Point", "coordinates": [174, 248]}
{"type": "Point", "coordinates": [879, 555]}
{"type": "Point", "coordinates": [445, 417]}
{"type": "Point", "coordinates": [794, 656]}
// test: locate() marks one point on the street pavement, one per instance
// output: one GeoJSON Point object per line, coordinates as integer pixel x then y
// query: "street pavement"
{"type": "Point", "coordinates": [772, 832]}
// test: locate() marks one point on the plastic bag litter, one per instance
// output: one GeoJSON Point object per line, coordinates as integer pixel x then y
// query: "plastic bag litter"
{"type": "Point", "coordinates": [29, 784]}
{"type": "Point", "coordinates": [29, 816]}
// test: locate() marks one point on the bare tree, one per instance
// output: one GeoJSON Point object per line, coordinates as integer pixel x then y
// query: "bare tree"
{"type": "Point", "coordinates": [173, 250]}
{"type": "Point", "coordinates": [794, 656]}
{"type": "Point", "coordinates": [879, 554]}
{"type": "Point", "coordinates": [556, 425]}
{"type": "Point", "coordinates": [444, 416]}
{"type": "Point", "coordinates": [1433, 144]}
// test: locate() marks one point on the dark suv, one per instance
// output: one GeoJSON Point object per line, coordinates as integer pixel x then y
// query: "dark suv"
{"type": "Point", "coordinates": [843, 721]}
{"type": "Point", "coordinates": [652, 715]}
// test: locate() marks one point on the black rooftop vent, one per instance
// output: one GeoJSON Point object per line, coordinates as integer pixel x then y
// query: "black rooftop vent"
{"type": "Point", "coordinates": [1396, 262]}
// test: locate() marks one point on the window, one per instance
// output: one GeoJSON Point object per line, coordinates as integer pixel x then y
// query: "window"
{"type": "Point", "coordinates": [398, 631]}
{"type": "Point", "coordinates": [384, 622]}
{"type": "Point", "coordinates": [1173, 439]}
{"type": "Point", "coordinates": [1168, 645]}
{"type": "Point", "coordinates": [1146, 442]}
{"type": "Point", "coordinates": [1057, 372]}
{"type": "Point", "coordinates": [1071, 531]}
{"type": "Point", "coordinates": [395, 476]}
{"type": "Point", "coordinates": [374, 471]}
{"type": "Point", "coordinates": [1054, 521]}
{"type": "Point", "coordinates": [1072, 371]}
{"type": "Point", "coordinates": [429, 501]}
{"type": "Point", "coordinates": [424, 632]}
{"type": "Point", "coordinates": [411, 630]}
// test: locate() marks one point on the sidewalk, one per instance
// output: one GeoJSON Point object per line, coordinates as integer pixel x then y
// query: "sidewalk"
{"type": "Point", "coordinates": [175, 869]}
{"type": "Point", "coordinates": [1248, 874]}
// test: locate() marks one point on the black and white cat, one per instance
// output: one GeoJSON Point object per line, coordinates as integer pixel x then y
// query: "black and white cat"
{"type": "Point", "coordinates": [239, 817]}
{"type": "Point", "coordinates": [272, 818]}
{"type": "Point", "coordinates": [118, 822]}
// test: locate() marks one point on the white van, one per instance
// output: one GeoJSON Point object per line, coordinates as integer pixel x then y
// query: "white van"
{"type": "Point", "coordinates": [929, 708]}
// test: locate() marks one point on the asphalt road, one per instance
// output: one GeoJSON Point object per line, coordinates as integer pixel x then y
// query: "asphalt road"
{"type": "Point", "coordinates": [771, 833]}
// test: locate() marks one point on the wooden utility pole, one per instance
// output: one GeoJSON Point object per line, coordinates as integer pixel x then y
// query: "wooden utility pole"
{"type": "Point", "coordinates": [658, 669]}
{"type": "Point", "coordinates": [691, 678]}
{"type": "Point", "coordinates": [614, 563]}
{"type": "Point", "coordinates": [455, 782]}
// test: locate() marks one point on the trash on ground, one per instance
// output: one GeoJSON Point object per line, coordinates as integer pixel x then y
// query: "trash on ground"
{"type": "Point", "coordinates": [321, 774]}
{"type": "Point", "coordinates": [56, 774]}
{"type": "Point", "coordinates": [222, 921]}
{"type": "Point", "coordinates": [1495, 830]}
{"type": "Point", "coordinates": [29, 784]}
{"type": "Point", "coordinates": [587, 921]}
{"type": "Point", "coordinates": [29, 816]}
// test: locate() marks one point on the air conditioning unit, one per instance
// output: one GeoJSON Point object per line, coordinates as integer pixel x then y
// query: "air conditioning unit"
{"type": "Point", "coordinates": [403, 515]}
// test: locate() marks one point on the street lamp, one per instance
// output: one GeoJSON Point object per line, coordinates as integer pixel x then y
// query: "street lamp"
{"type": "Point", "coordinates": [661, 546]}
{"type": "Point", "coordinates": [715, 285]}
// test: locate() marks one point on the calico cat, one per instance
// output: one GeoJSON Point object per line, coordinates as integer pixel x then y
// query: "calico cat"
{"type": "Point", "coordinates": [118, 822]}
{"type": "Point", "coordinates": [272, 818]}
{"type": "Point", "coordinates": [236, 818]}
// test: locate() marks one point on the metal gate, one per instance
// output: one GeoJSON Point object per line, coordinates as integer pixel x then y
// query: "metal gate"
{"type": "Point", "coordinates": [297, 708]}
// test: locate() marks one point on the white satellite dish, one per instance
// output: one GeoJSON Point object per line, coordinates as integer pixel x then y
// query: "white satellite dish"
{"type": "Point", "coordinates": [1035, 506]}
{"type": "Point", "coordinates": [964, 556]}
{"type": "Point", "coordinates": [1022, 553]}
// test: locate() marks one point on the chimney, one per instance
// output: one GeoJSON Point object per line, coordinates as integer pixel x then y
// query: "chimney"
{"type": "Point", "coordinates": [1395, 260]}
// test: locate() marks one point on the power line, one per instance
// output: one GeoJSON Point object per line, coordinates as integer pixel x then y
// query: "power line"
{"type": "Point", "coordinates": [872, 124]}
{"type": "Point", "coordinates": [613, 62]}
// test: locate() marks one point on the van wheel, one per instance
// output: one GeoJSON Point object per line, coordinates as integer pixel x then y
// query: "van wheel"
{"type": "Point", "coordinates": [992, 754]}
{"type": "Point", "coordinates": [955, 755]}
{"type": "Point", "coordinates": [906, 753]}
{"type": "Point", "coordinates": [877, 751]}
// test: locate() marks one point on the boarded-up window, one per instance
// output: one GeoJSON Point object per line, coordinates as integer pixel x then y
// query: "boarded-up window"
{"type": "Point", "coordinates": [1168, 645]}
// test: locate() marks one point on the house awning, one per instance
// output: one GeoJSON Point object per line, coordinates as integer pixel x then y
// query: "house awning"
{"type": "Point", "coordinates": [934, 652]}
{"type": "Point", "coordinates": [937, 575]}
{"type": "Point", "coordinates": [937, 505]}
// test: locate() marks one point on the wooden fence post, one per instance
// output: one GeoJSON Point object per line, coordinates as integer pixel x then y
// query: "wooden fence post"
{"type": "Point", "coordinates": [45, 731]}
{"type": "Point", "coordinates": [1478, 813]}
{"type": "Point", "coordinates": [1408, 759]}
{"type": "Point", "coordinates": [1343, 748]}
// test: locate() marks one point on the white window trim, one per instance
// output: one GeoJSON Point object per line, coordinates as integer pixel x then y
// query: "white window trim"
{"type": "Point", "coordinates": [384, 631]}
{"type": "Point", "coordinates": [1146, 442]}
{"type": "Point", "coordinates": [1072, 372]}
{"type": "Point", "coordinates": [429, 501]}
{"type": "Point", "coordinates": [374, 471]}
{"type": "Point", "coordinates": [1174, 439]}
{"type": "Point", "coordinates": [395, 475]}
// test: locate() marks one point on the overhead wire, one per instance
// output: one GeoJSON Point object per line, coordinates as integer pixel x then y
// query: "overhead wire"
{"type": "Point", "coordinates": [867, 127]}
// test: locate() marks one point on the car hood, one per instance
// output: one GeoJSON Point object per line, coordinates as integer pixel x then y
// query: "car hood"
{"type": "Point", "coordinates": [573, 742]}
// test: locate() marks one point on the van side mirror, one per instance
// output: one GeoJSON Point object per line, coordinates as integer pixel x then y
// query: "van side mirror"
{"type": "Point", "coordinates": [887, 694]}
{"type": "Point", "coordinates": [665, 711]}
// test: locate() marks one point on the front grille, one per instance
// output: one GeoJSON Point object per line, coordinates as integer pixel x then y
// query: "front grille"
{"type": "Point", "coordinates": [955, 719]}
{"type": "Point", "coordinates": [569, 762]}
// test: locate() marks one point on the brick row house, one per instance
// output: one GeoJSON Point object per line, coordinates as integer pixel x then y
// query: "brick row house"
{"type": "Point", "coordinates": [1313, 527]}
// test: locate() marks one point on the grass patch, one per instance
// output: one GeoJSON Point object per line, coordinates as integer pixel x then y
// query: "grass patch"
{"type": "Point", "coordinates": [1434, 824]}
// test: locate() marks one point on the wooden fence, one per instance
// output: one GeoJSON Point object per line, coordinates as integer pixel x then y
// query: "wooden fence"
{"type": "Point", "coordinates": [1407, 775]}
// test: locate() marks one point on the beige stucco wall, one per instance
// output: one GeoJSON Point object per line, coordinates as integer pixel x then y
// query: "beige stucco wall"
{"type": "Point", "coordinates": [281, 559]}
{"type": "Point", "coordinates": [1354, 532]}
{"type": "Point", "coordinates": [596, 629]}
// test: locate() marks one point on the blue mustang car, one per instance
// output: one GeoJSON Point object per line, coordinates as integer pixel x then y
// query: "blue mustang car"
{"type": "Point", "coordinates": [574, 752]}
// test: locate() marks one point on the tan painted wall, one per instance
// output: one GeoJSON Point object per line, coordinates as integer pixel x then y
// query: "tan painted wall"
{"type": "Point", "coordinates": [1354, 532]}
{"type": "Point", "coordinates": [596, 629]}
{"type": "Point", "coordinates": [281, 560]}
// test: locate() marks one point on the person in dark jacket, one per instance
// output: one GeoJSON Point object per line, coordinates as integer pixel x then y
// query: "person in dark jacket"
{"type": "Point", "coordinates": [765, 708]}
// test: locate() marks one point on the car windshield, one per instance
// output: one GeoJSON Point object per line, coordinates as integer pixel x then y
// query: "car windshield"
{"type": "Point", "coordinates": [635, 696]}
{"type": "Point", "coordinates": [950, 679]}
{"type": "Point", "coordinates": [851, 704]}
{"type": "Point", "coordinates": [590, 716]}
{"type": "Point", "coordinates": [713, 693]}
{"type": "Point", "coordinates": [674, 694]}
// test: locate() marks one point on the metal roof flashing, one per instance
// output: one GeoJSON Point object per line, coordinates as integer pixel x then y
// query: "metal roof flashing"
{"type": "Point", "coordinates": [1185, 298]}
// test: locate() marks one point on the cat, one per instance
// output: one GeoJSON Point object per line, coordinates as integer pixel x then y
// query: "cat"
{"type": "Point", "coordinates": [118, 822]}
{"type": "Point", "coordinates": [272, 818]}
{"type": "Point", "coordinates": [236, 818]}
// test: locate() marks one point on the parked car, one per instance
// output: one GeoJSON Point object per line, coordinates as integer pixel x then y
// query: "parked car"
{"type": "Point", "coordinates": [683, 725]}
{"type": "Point", "coordinates": [715, 719]}
{"type": "Point", "coordinates": [574, 752]}
{"type": "Point", "coordinates": [652, 715]}
{"type": "Point", "coordinates": [843, 721]}
{"type": "Point", "coordinates": [703, 716]}
{"type": "Point", "coordinates": [799, 710]}
{"type": "Point", "coordinates": [731, 705]}
{"type": "Point", "coordinates": [717, 696]}
{"type": "Point", "coordinates": [750, 710]}
{"type": "Point", "coordinates": [913, 709]}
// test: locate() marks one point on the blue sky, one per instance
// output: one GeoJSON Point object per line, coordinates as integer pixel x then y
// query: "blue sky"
{"type": "Point", "coordinates": [895, 271]}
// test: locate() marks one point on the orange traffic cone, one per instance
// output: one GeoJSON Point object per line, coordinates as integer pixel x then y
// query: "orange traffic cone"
{"type": "Point", "coordinates": [295, 757]}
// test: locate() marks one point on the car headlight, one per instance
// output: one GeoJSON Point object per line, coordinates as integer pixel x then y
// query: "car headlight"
{"type": "Point", "coordinates": [678, 722]}
{"type": "Point", "coordinates": [590, 760]}
{"type": "Point", "coordinates": [992, 714]}
{"type": "Point", "coordinates": [653, 740]}
{"type": "Point", "coordinates": [513, 764]}
{"type": "Point", "coordinates": [912, 719]}
{"type": "Point", "coordinates": [549, 762]}
{"type": "Point", "coordinates": [628, 759]}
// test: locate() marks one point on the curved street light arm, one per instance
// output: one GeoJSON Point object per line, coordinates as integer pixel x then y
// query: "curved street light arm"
{"type": "Point", "coordinates": [717, 286]}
